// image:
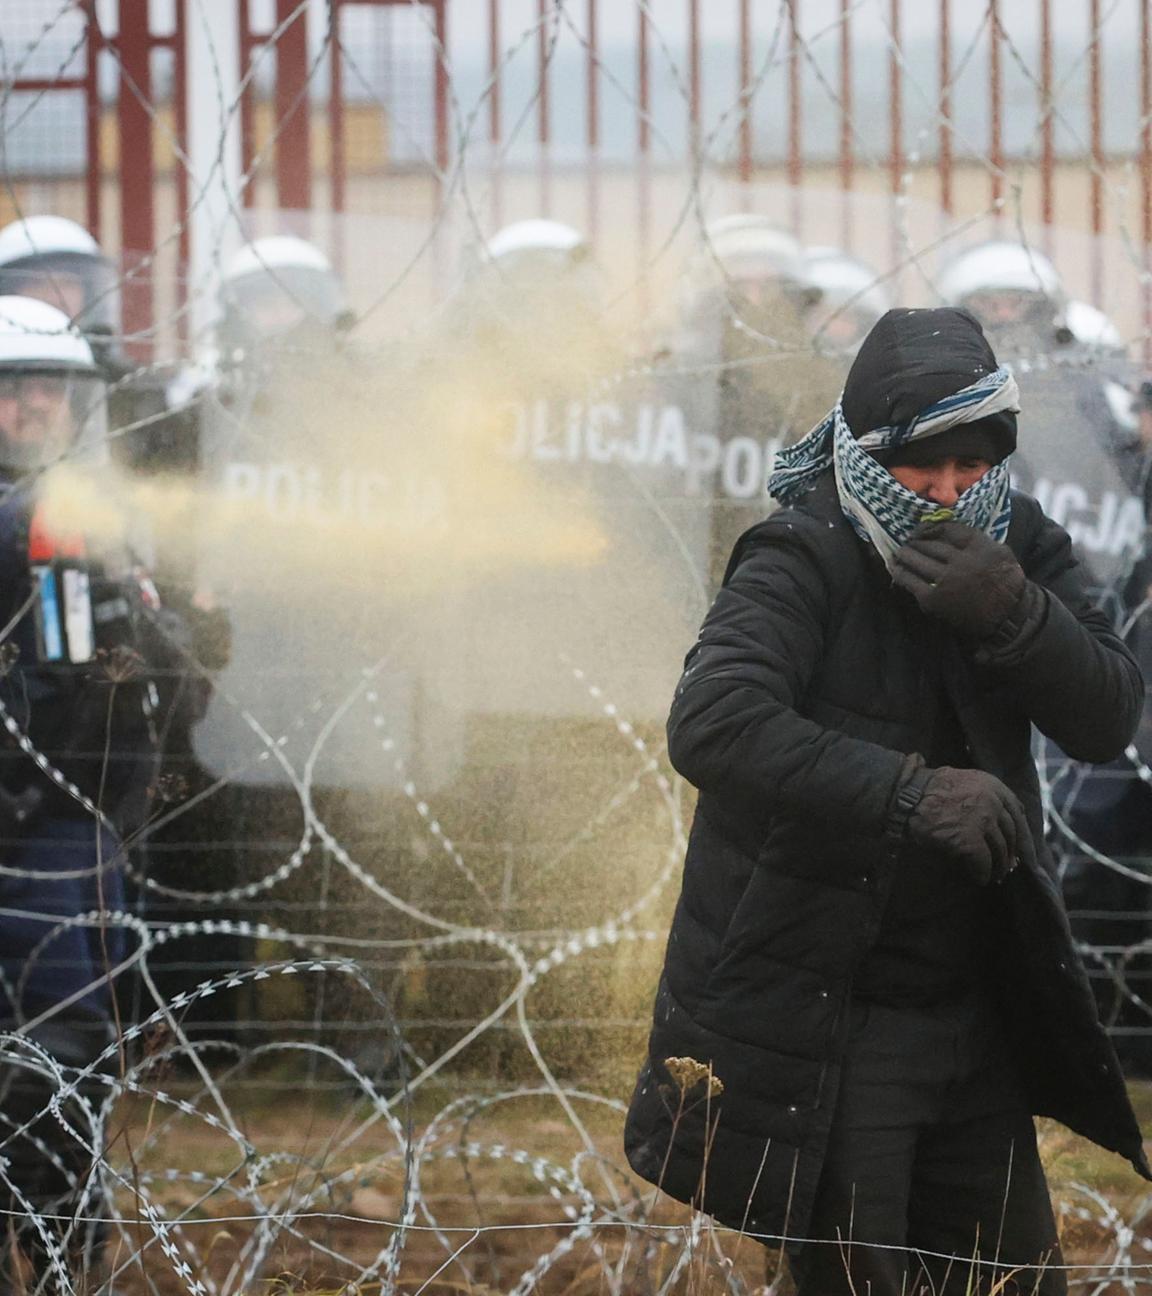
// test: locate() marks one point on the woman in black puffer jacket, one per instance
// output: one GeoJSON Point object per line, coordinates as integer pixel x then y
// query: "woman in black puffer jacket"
{"type": "Point", "coordinates": [870, 959]}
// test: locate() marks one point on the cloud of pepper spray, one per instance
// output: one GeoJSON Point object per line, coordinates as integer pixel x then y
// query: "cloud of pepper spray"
{"type": "Point", "coordinates": [357, 507]}
{"type": "Point", "coordinates": [367, 484]}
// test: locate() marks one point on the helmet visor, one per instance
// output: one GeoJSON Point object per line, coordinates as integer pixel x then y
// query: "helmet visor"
{"type": "Point", "coordinates": [47, 415]}
{"type": "Point", "coordinates": [273, 304]}
{"type": "Point", "coordinates": [85, 288]}
{"type": "Point", "coordinates": [998, 308]}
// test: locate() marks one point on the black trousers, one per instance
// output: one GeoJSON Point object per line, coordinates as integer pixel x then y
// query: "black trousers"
{"type": "Point", "coordinates": [932, 1181]}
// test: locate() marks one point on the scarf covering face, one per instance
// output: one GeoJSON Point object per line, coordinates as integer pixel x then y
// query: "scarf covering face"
{"type": "Point", "coordinates": [881, 511]}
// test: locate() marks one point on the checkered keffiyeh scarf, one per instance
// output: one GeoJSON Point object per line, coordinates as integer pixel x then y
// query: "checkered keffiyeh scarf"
{"type": "Point", "coordinates": [881, 510]}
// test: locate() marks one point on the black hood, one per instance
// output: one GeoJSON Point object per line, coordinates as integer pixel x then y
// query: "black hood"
{"type": "Point", "coordinates": [911, 359]}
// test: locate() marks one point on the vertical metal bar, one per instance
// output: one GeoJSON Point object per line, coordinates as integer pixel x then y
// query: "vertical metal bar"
{"type": "Point", "coordinates": [745, 71]}
{"type": "Point", "coordinates": [895, 105]}
{"type": "Point", "coordinates": [795, 126]}
{"type": "Point", "coordinates": [1047, 135]}
{"type": "Point", "coordinates": [136, 168]}
{"type": "Point", "coordinates": [847, 152]}
{"type": "Point", "coordinates": [643, 141]}
{"type": "Point", "coordinates": [443, 151]}
{"type": "Point", "coordinates": [544, 131]}
{"type": "Point", "coordinates": [180, 114]}
{"type": "Point", "coordinates": [543, 124]}
{"type": "Point", "coordinates": [494, 63]}
{"type": "Point", "coordinates": [1146, 174]}
{"type": "Point", "coordinates": [94, 176]}
{"type": "Point", "coordinates": [896, 138]}
{"type": "Point", "coordinates": [593, 120]}
{"type": "Point", "coordinates": [694, 74]}
{"type": "Point", "coordinates": [336, 109]}
{"type": "Point", "coordinates": [293, 108]}
{"type": "Point", "coordinates": [1096, 132]}
{"type": "Point", "coordinates": [495, 109]}
{"type": "Point", "coordinates": [643, 83]}
{"type": "Point", "coordinates": [996, 91]}
{"type": "Point", "coordinates": [247, 113]}
{"type": "Point", "coordinates": [338, 159]}
{"type": "Point", "coordinates": [945, 109]}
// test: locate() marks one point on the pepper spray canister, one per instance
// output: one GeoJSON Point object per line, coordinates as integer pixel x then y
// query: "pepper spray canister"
{"type": "Point", "coordinates": [62, 594]}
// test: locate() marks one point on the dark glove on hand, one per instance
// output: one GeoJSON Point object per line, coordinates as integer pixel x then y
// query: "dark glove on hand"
{"type": "Point", "coordinates": [961, 576]}
{"type": "Point", "coordinates": [971, 817]}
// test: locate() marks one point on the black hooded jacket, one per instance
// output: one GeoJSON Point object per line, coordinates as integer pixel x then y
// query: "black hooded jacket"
{"type": "Point", "coordinates": [798, 704]}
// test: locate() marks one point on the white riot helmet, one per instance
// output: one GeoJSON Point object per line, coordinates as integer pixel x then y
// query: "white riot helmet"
{"type": "Point", "coordinates": [52, 393]}
{"type": "Point", "coordinates": [751, 251]}
{"type": "Point", "coordinates": [57, 261]}
{"type": "Point", "coordinates": [745, 284]}
{"type": "Point", "coordinates": [277, 288]}
{"type": "Point", "coordinates": [1092, 329]}
{"type": "Point", "coordinates": [536, 245]}
{"type": "Point", "coordinates": [1011, 288]}
{"type": "Point", "coordinates": [851, 300]}
{"type": "Point", "coordinates": [532, 278]}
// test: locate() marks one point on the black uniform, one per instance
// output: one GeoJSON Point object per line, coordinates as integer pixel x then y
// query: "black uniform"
{"type": "Point", "coordinates": [806, 688]}
{"type": "Point", "coordinates": [78, 760]}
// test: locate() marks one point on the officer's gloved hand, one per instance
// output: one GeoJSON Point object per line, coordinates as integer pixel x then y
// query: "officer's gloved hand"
{"type": "Point", "coordinates": [963, 577]}
{"type": "Point", "coordinates": [970, 816]}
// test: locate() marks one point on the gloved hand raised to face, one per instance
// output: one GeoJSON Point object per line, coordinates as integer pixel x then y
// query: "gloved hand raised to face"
{"type": "Point", "coordinates": [961, 575]}
{"type": "Point", "coordinates": [973, 818]}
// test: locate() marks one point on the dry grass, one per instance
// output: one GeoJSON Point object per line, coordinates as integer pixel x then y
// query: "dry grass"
{"type": "Point", "coordinates": [504, 1191]}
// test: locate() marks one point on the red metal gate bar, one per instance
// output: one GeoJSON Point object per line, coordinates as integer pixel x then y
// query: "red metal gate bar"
{"type": "Point", "coordinates": [336, 110]}
{"type": "Point", "coordinates": [643, 145]}
{"type": "Point", "coordinates": [293, 136]}
{"type": "Point", "coordinates": [543, 122]}
{"type": "Point", "coordinates": [996, 92]}
{"type": "Point", "coordinates": [180, 117]}
{"type": "Point", "coordinates": [643, 88]}
{"type": "Point", "coordinates": [847, 155]}
{"type": "Point", "coordinates": [593, 74]}
{"type": "Point", "coordinates": [795, 108]}
{"type": "Point", "coordinates": [248, 44]}
{"type": "Point", "coordinates": [1047, 134]}
{"type": "Point", "coordinates": [134, 121]}
{"type": "Point", "coordinates": [494, 75]}
{"type": "Point", "coordinates": [694, 76]}
{"type": "Point", "coordinates": [495, 127]}
{"type": "Point", "coordinates": [944, 161]}
{"type": "Point", "coordinates": [744, 164]}
{"type": "Point", "coordinates": [94, 41]}
{"type": "Point", "coordinates": [593, 121]}
{"type": "Point", "coordinates": [443, 152]}
{"type": "Point", "coordinates": [1146, 174]}
{"type": "Point", "coordinates": [895, 105]}
{"type": "Point", "coordinates": [896, 140]}
{"type": "Point", "coordinates": [41, 85]}
{"type": "Point", "coordinates": [1096, 135]}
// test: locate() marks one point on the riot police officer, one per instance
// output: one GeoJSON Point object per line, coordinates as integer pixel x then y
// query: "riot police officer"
{"type": "Point", "coordinates": [744, 329]}
{"type": "Point", "coordinates": [55, 260]}
{"type": "Point", "coordinates": [529, 312]}
{"type": "Point", "coordinates": [85, 642]}
{"type": "Point", "coordinates": [852, 298]}
{"type": "Point", "coordinates": [282, 305]}
{"type": "Point", "coordinates": [1015, 292]}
